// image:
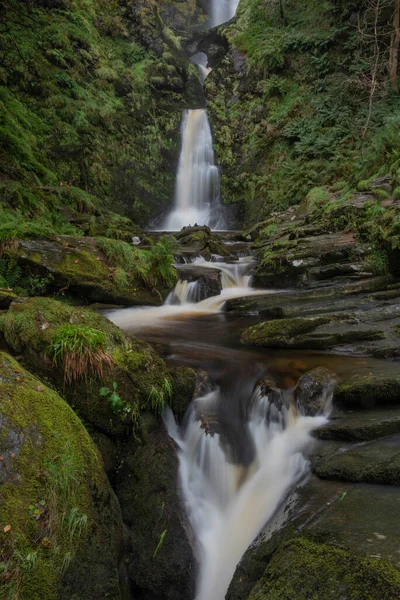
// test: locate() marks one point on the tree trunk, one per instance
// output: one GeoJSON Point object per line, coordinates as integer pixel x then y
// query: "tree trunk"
{"type": "Point", "coordinates": [394, 48]}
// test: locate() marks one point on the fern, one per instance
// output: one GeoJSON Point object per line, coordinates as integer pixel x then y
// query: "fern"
{"type": "Point", "coordinates": [10, 273]}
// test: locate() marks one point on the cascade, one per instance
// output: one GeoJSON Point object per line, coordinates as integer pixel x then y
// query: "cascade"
{"type": "Point", "coordinates": [197, 182]}
{"type": "Point", "coordinates": [222, 11]}
{"type": "Point", "coordinates": [227, 501]}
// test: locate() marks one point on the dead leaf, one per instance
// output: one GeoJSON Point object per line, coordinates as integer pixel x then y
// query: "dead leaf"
{"type": "Point", "coordinates": [7, 528]}
{"type": "Point", "coordinates": [76, 261]}
{"type": "Point", "coordinates": [1, 458]}
{"type": "Point", "coordinates": [39, 388]}
{"type": "Point", "coordinates": [13, 454]}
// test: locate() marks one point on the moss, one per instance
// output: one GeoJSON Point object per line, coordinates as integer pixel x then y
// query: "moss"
{"type": "Point", "coordinates": [305, 570]}
{"type": "Point", "coordinates": [316, 198]}
{"type": "Point", "coordinates": [369, 390]}
{"type": "Point", "coordinates": [6, 297]}
{"type": "Point", "coordinates": [50, 467]}
{"type": "Point", "coordinates": [29, 328]}
{"type": "Point", "coordinates": [280, 333]}
{"type": "Point", "coordinates": [183, 386]}
{"type": "Point", "coordinates": [380, 194]}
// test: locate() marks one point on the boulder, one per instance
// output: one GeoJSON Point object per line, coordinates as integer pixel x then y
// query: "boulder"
{"type": "Point", "coordinates": [60, 523]}
{"type": "Point", "coordinates": [314, 390]}
{"type": "Point", "coordinates": [369, 390]}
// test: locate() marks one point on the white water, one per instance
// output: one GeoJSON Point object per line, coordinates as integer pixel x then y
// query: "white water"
{"type": "Point", "coordinates": [229, 504]}
{"type": "Point", "coordinates": [235, 284]}
{"type": "Point", "coordinates": [197, 182]}
{"type": "Point", "coordinates": [222, 11]}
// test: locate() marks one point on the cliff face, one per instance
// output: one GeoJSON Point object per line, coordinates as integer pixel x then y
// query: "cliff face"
{"type": "Point", "coordinates": [91, 98]}
{"type": "Point", "coordinates": [305, 96]}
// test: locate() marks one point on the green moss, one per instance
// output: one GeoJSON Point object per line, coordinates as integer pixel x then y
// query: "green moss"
{"type": "Point", "coordinates": [33, 326]}
{"type": "Point", "coordinates": [280, 333]}
{"type": "Point", "coordinates": [49, 468]}
{"type": "Point", "coordinates": [369, 390]}
{"type": "Point", "coordinates": [305, 570]}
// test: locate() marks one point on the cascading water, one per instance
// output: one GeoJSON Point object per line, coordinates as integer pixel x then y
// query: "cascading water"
{"type": "Point", "coordinates": [197, 183]}
{"type": "Point", "coordinates": [185, 292]}
{"type": "Point", "coordinates": [228, 502]}
{"type": "Point", "coordinates": [222, 11]}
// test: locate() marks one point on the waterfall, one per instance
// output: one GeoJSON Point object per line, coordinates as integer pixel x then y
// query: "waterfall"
{"type": "Point", "coordinates": [197, 184]}
{"type": "Point", "coordinates": [229, 501]}
{"type": "Point", "coordinates": [185, 292]}
{"type": "Point", "coordinates": [222, 11]}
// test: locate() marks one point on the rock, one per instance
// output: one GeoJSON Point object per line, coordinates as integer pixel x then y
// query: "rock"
{"type": "Point", "coordinates": [281, 333]}
{"type": "Point", "coordinates": [304, 569]}
{"type": "Point", "coordinates": [184, 384]}
{"type": "Point", "coordinates": [368, 390]}
{"type": "Point", "coordinates": [6, 297]}
{"type": "Point", "coordinates": [78, 266]}
{"type": "Point", "coordinates": [208, 280]}
{"type": "Point", "coordinates": [202, 240]}
{"type": "Point", "coordinates": [314, 391]}
{"type": "Point", "coordinates": [31, 328]}
{"type": "Point", "coordinates": [361, 425]}
{"type": "Point", "coordinates": [370, 462]}
{"type": "Point", "coordinates": [54, 497]}
{"type": "Point", "coordinates": [361, 519]}
{"type": "Point", "coordinates": [160, 560]}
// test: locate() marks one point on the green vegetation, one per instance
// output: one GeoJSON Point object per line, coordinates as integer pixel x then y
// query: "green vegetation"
{"type": "Point", "coordinates": [313, 105]}
{"type": "Point", "coordinates": [113, 397]}
{"type": "Point", "coordinates": [79, 350]}
{"type": "Point", "coordinates": [90, 106]}
{"type": "Point", "coordinates": [306, 570]}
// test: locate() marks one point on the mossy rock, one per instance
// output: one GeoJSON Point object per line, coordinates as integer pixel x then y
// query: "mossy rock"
{"type": "Point", "coordinates": [305, 570]}
{"type": "Point", "coordinates": [77, 266]}
{"type": "Point", "coordinates": [203, 240]}
{"type": "Point", "coordinates": [160, 561]}
{"type": "Point", "coordinates": [61, 527]}
{"type": "Point", "coordinates": [280, 333]}
{"type": "Point", "coordinates": [140, 376]}
{"type": "Point", "coordinates": [366, 391]}
{"type": "Point", "coordinates": [6, 297]}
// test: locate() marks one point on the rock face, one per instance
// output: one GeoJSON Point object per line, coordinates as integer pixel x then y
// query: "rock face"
{"type": "Point", "coordinates": [78, 266]}
{"type": "Point", "coordinates": [160, 559]}
{"type": "Point", "coordinates": [60, 520]}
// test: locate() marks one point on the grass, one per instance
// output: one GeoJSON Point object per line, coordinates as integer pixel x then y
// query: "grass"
{"type": "Point", "coordinates": [80, 350]}
{"type": "Point", "coordinates": [159, 396]}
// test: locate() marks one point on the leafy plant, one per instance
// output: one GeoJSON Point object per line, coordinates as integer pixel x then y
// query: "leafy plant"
{"type": "Point", "coordinates": [159, 396]}
{"type": "Point", "coordinates": [113, 397]}
{"type": "Point", "coordinates": [10, 273]}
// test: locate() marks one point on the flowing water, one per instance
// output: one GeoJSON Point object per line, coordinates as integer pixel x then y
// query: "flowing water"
{"type": "Point", "coordinates": [240, 451]}
{"type": "Point", "coordinates": [222, 11]}
{"type": "Point", "coordinates": [197, 182]}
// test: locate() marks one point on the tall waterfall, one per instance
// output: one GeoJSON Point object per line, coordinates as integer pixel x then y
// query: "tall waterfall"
{"type": "Point", "coordinates": [222, 11]}
{"type": "Point", "coordinates": [197, 185]}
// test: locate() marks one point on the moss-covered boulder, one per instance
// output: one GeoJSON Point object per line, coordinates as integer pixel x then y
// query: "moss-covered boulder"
{"type": "Point", "coordinates": [361, 425]}
{"type": "Point", "coordinates": [160, 562]}
{"type": "Point", "coordinates": [107, 377]}
{"type": "Point", "coordinates": [99, 270]}
{"type": "Point", "coordinates": [305, 570]}
{"type": "Point", "coordinates": [201, 240]}
{"type": "Point", "coordinates": [372, 462]}
{"type": "Point", "coordinates": [281, 333]}
{"type": "Point", "coordinates": [368, 390]}
{"type": "Point", "coordinates": [60, 522]}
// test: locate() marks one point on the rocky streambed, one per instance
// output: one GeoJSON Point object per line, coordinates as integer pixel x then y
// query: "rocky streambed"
{"type": "Point", "coordinates": [120, 530]}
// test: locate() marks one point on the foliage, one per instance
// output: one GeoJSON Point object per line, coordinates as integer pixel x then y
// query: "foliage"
{"type": "Point", "coordinates": [159, 396]}
{"type": "Point", "coordinates": [306, 110]}
{"type": "Point", "coordinates": [153, 267]}
{"type": "Point", "coordinates": [80, 350]}
{"type": "Point", "coordinates": [113, 397]}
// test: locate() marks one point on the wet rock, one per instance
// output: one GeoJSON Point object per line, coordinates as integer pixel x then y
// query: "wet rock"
{"type": "Point", "coordinates": [358, 518]}
{"type": "Point", "coordinates": [281, 333]}
{"type": "Point", "coordinates": [209, 280]}
{"type": "Point", "coordinates": [370, 462]}
{"type": "Point", "coordinates": [361, 425]}
{"type": "Point", "coordinates": [368, 390]}
{"type": "Point", "coordinates": [314, 390]}
{"type": "Point", "coordinates": [202, 240]}
{"type": "Point", "coordinates": [304, 569]}
{"type": "Point", "coordinates": [77, 266]}
{"type": "Point", "coordinates": [160, 560]}
{"type": "Point", "coordinates": [54, 496]}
